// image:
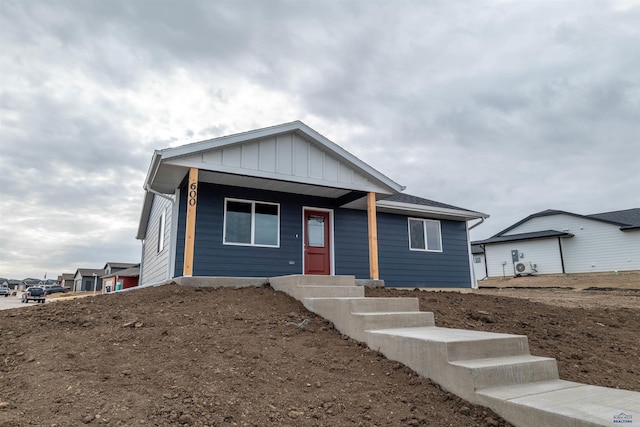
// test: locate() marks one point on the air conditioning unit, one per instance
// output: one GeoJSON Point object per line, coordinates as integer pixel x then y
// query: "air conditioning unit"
{"type": "Point", "coordinates": [524, 268]}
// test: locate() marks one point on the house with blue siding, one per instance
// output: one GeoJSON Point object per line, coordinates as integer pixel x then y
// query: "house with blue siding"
{"type": "Point", "coordinates": [285, 200]}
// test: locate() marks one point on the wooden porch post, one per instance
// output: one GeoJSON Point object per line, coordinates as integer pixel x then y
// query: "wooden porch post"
{"type": "Point", "coordinates": [373, 236]}
{"type": "Point", "coordinates": [190, 232]}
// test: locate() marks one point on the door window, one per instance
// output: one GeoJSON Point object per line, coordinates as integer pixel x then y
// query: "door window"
{"type": "Point", "coordinates": [315, 230]}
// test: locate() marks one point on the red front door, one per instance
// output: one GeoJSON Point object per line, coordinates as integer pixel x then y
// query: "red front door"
{"type": "Point", "coordinates": [317, 244]}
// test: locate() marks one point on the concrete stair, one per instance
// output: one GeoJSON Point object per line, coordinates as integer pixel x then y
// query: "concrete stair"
{"type": "Point", "coordinates": [491, 369]}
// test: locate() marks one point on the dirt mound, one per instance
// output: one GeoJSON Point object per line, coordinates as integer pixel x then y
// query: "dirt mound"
{"type": "Point", "coordinates": [221, 357]}
{"type": "Point", "coordinates": [205, 357]}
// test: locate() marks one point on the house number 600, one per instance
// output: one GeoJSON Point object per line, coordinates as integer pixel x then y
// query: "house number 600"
{"type": "Point", "coordinates": [193, 194]}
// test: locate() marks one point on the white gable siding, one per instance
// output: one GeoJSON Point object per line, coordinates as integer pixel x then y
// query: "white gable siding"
{"type": "Point", "coordinates": [286, 157]}
{"type": "Point", "coordinates": [545, 254]}
{"type": "Point", "coordinates": [156, 264]}
{"type": "Point", "coordinates": [596, 246]}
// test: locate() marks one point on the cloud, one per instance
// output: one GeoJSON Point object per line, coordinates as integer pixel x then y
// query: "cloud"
{"type": "Point", "coordinates": [502, 107]}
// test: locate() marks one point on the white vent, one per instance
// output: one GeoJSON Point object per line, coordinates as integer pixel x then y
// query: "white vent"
{"type": "Point", "coordinates": [524, 268]}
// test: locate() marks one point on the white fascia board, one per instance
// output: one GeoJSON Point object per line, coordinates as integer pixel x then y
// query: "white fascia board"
{"type": "Point", "coordinates": [156, 159]}
{"type": "Point", "coordinates": [259, 134]}
{"type": "Point", "coordinates": [144, 215]}
{"type": "Point", "coordinates": [422, 209]}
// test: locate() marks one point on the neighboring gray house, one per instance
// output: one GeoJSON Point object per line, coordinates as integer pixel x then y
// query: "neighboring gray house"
{"type": "Point", "coordinates": [88, 279]}
{"type": "Point", "coordinates": [66, 280]}
{"type": "Point", "coordinates": [286, 200]}
{"type": "Point", "coordinates": [24, 284]}
{"type": "Point", "coordinates": [114, 267]}
{"type": "Point", "coordinates": [553, 241]}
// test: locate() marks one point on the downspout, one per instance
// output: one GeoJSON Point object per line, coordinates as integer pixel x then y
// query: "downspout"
{"type": "Point", "coordinates": [476, 224]}
{"type": "Point", "coordinates": [486, 269]}
{"type": "Point", "coordinates": [150, 190]}
{"type": "Point", "coordinates": [561, 256]}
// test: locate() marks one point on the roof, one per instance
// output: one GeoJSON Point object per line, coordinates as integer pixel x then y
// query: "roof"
{"type": "Point", "coordinates": [477, 249]}
{"type": "Point", "coordinates": [418, 206]}
{"type": "Point", "coordinates": [120, 265]}
{"type": "Point", "coordinates": [89, 272]}
{"type": "Point", "coordinates": [628, 219]}
{"type": "Point", "coordinates": [523, 236]}
{"type": "Point", "coordinates": [127, 272]}
{"type": "Point", "coordinates": [291, 158]}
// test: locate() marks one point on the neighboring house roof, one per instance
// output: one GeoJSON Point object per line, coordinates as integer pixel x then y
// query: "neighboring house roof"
{"type": "Point", "coordinates": [66, 276]}
{"type": "Point", "coordinates": [291, 158]}
{"type": "Point", "coordinates": [122, 265]}
{"type": "Point", "coordinates": [629, 219]}
{"type": "Point", "coordinates": [523, 236]}
{"type": "Point", "coordinates": [89, 272]}
{"type": "Point", "coordinates": [127, 272]}
{"type": "Point", "coordinates": [477, 249]}
{"type": "Point", "coordinates": [626, 219]}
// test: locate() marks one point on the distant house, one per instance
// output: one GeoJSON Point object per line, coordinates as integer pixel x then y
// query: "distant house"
{"type": "Point", "coordinates": [285, 200]}
{"type": "Point", "coordinates": [66, 280]}
{"type": "Point", "coordinates": [88, 279]}
{"type": "Point", "coordinates": [479, 266]}
{"type": "Point", "coordinates": [117, 278]}
{"type": "Point", "coordinates": [14, 284]}
{"type": "Point", "coordinates": [553, 241]}
{"type": "Point", "coordinates": [28, 282]}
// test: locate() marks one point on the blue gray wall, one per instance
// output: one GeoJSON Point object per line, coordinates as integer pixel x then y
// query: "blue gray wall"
{"type": "Point", "coordinates": [398, 265]}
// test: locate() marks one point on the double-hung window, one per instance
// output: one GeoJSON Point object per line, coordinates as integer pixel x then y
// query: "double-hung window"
{"type": "Point", "coordinates": [425, 235]}
{"type": "Point", "coordinates": [250, 223]}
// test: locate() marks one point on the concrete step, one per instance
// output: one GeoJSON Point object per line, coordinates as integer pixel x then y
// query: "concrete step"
{"type": "Point", "coordinates": [462, 344]}
{"type": "Point", "coordinates": [312, 280]}
{"type": "Point", "coordinates": [450, 357]}
{"type": "Point", "coordinates": [382, 320]}
{"type": "Point", "coordinates": [504, 371]}
{"type": "Point", "coordinates": [562, 403]}
{"type": "Point", "coordinates": [377, 305]}
{"type": "Point", "coordinates": [329, 291]}
{"type": "Point", "coordinates": [339, 311]}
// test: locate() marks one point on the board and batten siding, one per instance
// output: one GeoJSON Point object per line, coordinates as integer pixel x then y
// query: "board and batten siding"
{"type": "Point", "coordinates": [596, 246]}
{"type": "Point", "coordinates": [281, 158]}
{"type": "Point", "coordinates": [156, 264]}
{"type": "Point", "coordinates": [543, 253]}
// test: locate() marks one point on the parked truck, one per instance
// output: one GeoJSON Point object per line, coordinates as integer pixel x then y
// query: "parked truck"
{"type": "Point", "coordinates": [33, 293]}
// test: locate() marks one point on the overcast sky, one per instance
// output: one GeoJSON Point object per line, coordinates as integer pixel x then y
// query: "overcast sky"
{"type": "Point", "coordinates": [504, 107]}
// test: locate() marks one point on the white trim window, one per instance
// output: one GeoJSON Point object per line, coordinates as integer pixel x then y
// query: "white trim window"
{"type": "Point", "coordinates": [425, 235]}
{"type": "Point", "coordinates": [162, 223]}
{"type": "Point", "coordinates": [251, 223]}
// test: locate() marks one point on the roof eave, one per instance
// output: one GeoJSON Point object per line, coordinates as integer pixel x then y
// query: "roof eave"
{"type": "Point", "coordinates": [445, 213]}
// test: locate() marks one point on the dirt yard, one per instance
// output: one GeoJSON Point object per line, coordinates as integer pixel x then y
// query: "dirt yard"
{"type": "Point", "coordinates": [253, 357]}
